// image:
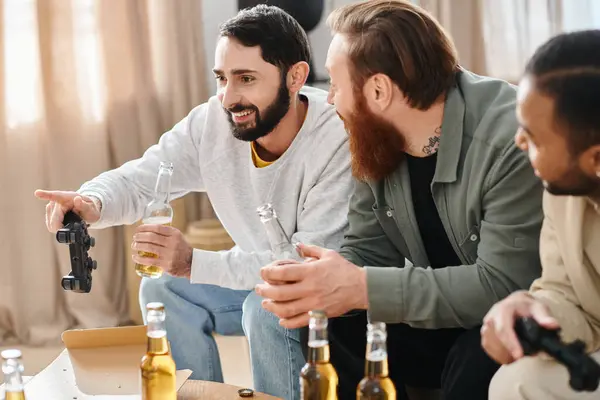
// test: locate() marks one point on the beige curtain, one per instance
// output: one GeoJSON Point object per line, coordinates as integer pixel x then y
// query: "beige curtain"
{"type": "Point", "coordinates": [85, 85]}
{"type": "Point", "coordinates": [497, 37]}
{"type": "Point", "coordinates": [462, 19]}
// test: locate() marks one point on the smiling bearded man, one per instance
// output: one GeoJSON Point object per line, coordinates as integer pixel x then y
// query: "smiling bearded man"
{"type": "Point", "coordinates": [263, 138]}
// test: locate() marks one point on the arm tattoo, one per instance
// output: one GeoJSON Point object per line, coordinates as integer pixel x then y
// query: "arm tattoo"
{"type": "Point", "coordinates": [434, 143]}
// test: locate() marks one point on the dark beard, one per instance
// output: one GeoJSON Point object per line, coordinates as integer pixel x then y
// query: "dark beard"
{"type": "Point", "coordinates": [376, 147]}
{"type": "Point", "coordinates": [574, 183]}
{"type": "Point", "coordinates": [264, 125]}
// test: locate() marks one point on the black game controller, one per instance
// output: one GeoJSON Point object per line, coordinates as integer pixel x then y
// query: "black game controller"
{"type": "Point", "coordinates": [584, 372]}
{"type": "Point", "coordinates": [75, 234]}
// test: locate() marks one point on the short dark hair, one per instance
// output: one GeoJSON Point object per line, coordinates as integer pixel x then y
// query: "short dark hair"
{"type": "Point", "coordinates": [282, 40]}
{"type": "Point", "coordinates": [567, 68]}
{"type": "Point", "coordinates": [402, 41]}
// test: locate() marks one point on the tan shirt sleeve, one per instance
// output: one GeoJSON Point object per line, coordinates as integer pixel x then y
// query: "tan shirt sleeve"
{"type": "Point", "coordinates": [554, 289]}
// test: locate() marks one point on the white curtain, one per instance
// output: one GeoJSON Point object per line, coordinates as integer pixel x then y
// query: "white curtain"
{"type": "Point", "coordinates": [462, 20]}
{"type": "Point", "coordinates": [85, 85]}
{"type": "Point", "coordinates": [515, 28]}
{"type": "Point", "coordinates": [497, 37]}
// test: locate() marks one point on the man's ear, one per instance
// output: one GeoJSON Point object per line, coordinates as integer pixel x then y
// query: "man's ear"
{"type": "Point", "coordinates": [378, 91]}
{"type": "Point", "coordinates": [297, 75]}
{"type": "Point", "coordinates": [590, 160]}
{"type": "Point", "coordinates": [596, 157]}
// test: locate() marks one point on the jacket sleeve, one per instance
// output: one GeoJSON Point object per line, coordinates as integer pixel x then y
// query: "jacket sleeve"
{"type": "Point", "coordinates": [555, 290]}
{"type": "Point", "coordinates": [459, 296]}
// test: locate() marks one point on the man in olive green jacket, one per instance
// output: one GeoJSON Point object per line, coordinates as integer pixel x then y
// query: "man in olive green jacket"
{"type": "Point", "coordinates": [440, 182]}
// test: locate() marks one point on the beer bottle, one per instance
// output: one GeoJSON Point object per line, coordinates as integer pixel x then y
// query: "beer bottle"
{"type": "Point", "coordinates": [12, 368]}
{"type": "Point", "coordinates": [376, 385]}
{"type": "Point", "coordinates": [281, 245]}
{"type": "Point", "coordinates": [158, 211]}
{"type": "Point", "coordinates": [157, 366]}
{"type": "Point", "coordinates": [318, 379]}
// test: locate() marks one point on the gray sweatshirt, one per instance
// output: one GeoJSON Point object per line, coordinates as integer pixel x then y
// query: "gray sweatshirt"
{"type": "Point", "coordinates": [309, 186]}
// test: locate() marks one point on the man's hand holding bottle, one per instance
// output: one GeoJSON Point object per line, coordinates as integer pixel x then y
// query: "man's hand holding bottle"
{"type": "Point", "coordinates": [161, 246]}
{"type": "Point", "coordinates": [164, 247]}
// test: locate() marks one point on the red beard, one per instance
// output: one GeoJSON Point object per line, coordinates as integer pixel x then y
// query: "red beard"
{"type": "Point", "coordinates": [376, 147]}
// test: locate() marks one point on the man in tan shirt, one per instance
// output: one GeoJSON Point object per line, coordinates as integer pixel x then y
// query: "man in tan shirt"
{"type": "Point", "coordinates": [559, 112]}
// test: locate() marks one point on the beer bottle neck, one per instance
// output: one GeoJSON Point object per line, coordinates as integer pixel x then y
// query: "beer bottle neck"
{"type": "Point", "coordinates": [13, 380]}
{"type": "Point", "coordinates": [376, 359]}
{"type": "Point", "coordinates": [158, 345]}
{"type": "Point", "coordinates": [157, 334]}
{"type": "Point", "coordinates": [318, 354]}
{"type": "Point", "coordinates": [162, 190]}
{"type": "Point", "coordinates": [318, 345]}
{"type": "Point", "coordinates": [280, 243]}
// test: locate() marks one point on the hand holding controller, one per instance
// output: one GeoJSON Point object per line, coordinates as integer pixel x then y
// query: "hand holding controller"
{"type": "Point", "coordinates": [75, 234]}
{"type": "Point", "coordinates": [584, 372]}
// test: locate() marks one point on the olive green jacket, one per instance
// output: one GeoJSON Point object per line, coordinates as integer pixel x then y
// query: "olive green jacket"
{"type": "Point", "coordinates": [489, 201]}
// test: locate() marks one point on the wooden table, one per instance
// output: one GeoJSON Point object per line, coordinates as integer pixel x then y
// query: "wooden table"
{"type": "Point", "coordinates": [203, 390]}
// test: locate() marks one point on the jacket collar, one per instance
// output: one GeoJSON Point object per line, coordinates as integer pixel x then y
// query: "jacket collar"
{"type": "Point", "coordinates": [449, 151]}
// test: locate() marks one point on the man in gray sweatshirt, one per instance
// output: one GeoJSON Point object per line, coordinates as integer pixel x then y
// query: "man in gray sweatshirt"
{"type": "Point", "coordinates": [264, 138]}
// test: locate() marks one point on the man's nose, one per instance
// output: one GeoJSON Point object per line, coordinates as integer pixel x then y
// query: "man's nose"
{"type": "Point", "coordinates": [228, 96]}
{"type": "Point", "coordinates": [521, 141]}
{"type": "Point", "coordinates": [330, 97]}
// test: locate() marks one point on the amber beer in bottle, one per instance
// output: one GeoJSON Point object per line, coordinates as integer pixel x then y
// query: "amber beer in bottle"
{"type": "Point", "coordinates": [12, 368]}
{"type": "Point", "coordinates": [282, 247]}
{"type": "Point", "coordinates": [376, 385]}
{"type": "Point", "coordinates": [318, 379]}
{"type": "Point", "coordinates": [158, 211]}
{"type": "Point", "coordinates": [157, 366]}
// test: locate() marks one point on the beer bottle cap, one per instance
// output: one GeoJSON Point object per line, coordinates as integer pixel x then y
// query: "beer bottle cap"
{"type": "Point", "coordinates": [155, 306]}
{"type": "Point", "coordinates": [10, 354]}
{"type": "Point", "coordinates": [246, 392]}
{"type": "Point", "coordinates": [317, 314]}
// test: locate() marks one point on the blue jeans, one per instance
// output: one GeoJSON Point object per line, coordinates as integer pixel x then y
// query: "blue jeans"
{"type": "Point", "coordinates": [195, 311]}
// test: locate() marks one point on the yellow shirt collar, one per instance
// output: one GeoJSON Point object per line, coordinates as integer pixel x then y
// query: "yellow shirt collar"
{"type": "Point", "coordinates": [258, 162]}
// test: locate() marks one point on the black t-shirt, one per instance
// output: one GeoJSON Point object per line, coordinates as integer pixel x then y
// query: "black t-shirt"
{"type": "Point", "coordinates": [438, 247]}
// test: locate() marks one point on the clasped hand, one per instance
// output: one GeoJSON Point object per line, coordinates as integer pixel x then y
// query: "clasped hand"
{"type": "Point", "coordinates": [329, 283]}
{"type": "Point", "coordinates": [498, 337]}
